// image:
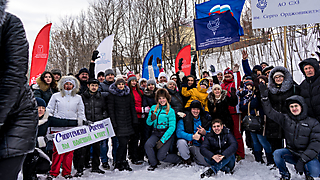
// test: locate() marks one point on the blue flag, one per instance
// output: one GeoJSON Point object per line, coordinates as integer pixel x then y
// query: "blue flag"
{"type": "Point", "coordinates": [156, 51]}
{"type": "Point", "coordinates": [216, 31]}
{"type": "Point", "coordinates": [219, 6]}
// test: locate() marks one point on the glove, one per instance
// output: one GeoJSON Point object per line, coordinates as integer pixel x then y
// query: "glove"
{"type": "Point", "coordinates": [150, 60]}
{"type": "Point", "coordinates": [185, 81]}
{"type": "Point", "coordinates": [153, 116]}
{"type": "Point", "coordinates": [181, 75]}
{"type": "Point", "coordinates": [146, 109]}
{"type": "Point", "coordinates": [159, 144]}
{"type": "Point", "coordinates": [194, 60]}
{"type": "Point", "coordinates": [87, 123]}
{"type": "Point", "coordinates": [41, 142]}
{"type": "Point", "coordinates": [50, 137]}
{"type": "Point", "coordinates": [263, 90]}
{"type": "Point", "coordinates": [233, 91]}
{"type": "Point", "coordinates": [181, 114]}
{"type": "Point", "coordinates": [299, 166]}
{"type": "Point", "coordinates": [212, 69]}
{"type": "Point", "coordinates": [95, 55]}
{"type": "Point", "coordinates": [180, 64]}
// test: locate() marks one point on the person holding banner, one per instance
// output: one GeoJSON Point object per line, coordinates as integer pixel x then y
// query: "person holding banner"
{"type": "Point", "coordinates": [66, 110]}
{"type": "Point", "coordinates": [123, 118]}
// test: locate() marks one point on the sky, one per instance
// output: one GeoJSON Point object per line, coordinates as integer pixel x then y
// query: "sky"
{"type": "Point", "coordinates": [35, 14]}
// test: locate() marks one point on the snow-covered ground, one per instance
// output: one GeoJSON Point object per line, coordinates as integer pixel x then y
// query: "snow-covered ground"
{"type": "Point", "coordinates": [246, 169]}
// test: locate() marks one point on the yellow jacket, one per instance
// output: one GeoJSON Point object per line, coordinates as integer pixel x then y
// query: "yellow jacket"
{"type": "Point", "coordinates": [196, 94]}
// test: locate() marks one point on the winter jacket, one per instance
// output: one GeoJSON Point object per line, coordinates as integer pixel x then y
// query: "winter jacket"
{"type": "Point", "coordinates": [42, 130]}
{"type": "Point", "coordinates": [95, 105]}
{"type": "Point", "coordinates": [45, 91]}
{"type": "Point", "coordinates": [137, 101]}
{"type": "Point", "coordinates": [148, 98]}
{"type": "Point", "coordinates": [104, 86]}
{"type": "Point", "coordinates": [302, 133]}
{"type": "Point", "coordinates": [66, 105]}
{"type": "Point", "coordinates": [224, 144]}
{"type": "Point", "coordinates": [221, 105]}
{"type": "Point", "coordinates": [277, 96]}
{"type": "Point", "coordinates": [164, 121]}
{"type": "Point", "coordinates": [227, 85]}
{"type": "Point", "coordinates": [121, 110]}
{"type": "Point", "coordinates": [310, 90]}
{"type": "Point", "coordinates": [196, 94]}
{"type": "Point", "coordinates": [18, 110]}
{"type": "Point", "coordinates": [176, 100]}
{"type": "Point", "coordinates": [187, 127]}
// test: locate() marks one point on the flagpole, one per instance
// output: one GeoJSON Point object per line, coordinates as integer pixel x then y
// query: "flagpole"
{"type": "Point", "coordinates": [197, 52]}
{"type": "Point", "coordinates": [285, 46]}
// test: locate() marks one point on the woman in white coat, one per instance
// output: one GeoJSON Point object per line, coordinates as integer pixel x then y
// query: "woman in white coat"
{"type": "Point", "coordinates": [66, 110]}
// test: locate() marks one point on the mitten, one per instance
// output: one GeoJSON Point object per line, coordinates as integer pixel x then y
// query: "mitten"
{"type": "Point", "coordinates": [95, 55]}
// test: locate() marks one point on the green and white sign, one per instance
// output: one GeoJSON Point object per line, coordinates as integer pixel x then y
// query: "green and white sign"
{"type": "Point", "coordinates": [78, 137]}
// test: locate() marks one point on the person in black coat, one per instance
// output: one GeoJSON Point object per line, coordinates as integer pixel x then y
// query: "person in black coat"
{"type": "Point", "coordinates": [219, 148]}
{"type": "Point", "coordinates": [302, 134]}
{"type": "Point", "coordinates": [218, 103]}
{"type": "Point", "coordinates": [176, 99]}
{"type": "Point", "coordinates": [109, 79]}
{"type": "Point", "coordinates": [18, 110]}
{"type": "Point", "coordinates": [123, 117]}
{"type": "Point", "coordinates": [310, 90]}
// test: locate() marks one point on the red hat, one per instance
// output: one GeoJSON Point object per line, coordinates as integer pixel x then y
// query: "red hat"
{"type": "Point", "coordinates": [228, 71]}
{"type": "Point", "coordinates": [131, 76]}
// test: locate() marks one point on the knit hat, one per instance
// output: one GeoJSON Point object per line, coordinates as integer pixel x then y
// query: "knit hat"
{"type": "Point", "coordinates": [205, 82]}
{"type": "Point", "coordinates": [142, 79]}
{"type": "Point", "coordinates": [120, 80]}
{"type": "Point", "coordinates": [267, 69]}
{"type": "Point", "coordinates": [109, 71]}
{"type": "Point", "coordinates": [216, 86]}
{"type": "Point", "coordinates": [100, 74]}
{"type": "Point", "coordinates": [264, 63]}
{"type": "Point", "coordinates": [162, 74]}
{"type": "Point", "coordinates": [162, 93]}
{"type": "Point", "coordinates": [173, 76]}
{"type": "Point", "coordinates": [172, 81]}
{"type": "Point", "coordinates": [249, 83]}
{"type": "Point", "coordinates": [84, 70]}
{"type": "Point", "coordinates": [41, 102]}
{"type": "Point", "coordinates": [195, 104]}
{"type": "Point", "coordinates": [278, 73]}
{"type": "Point", "coordinates": [257, 67]}
{"type": "Point", "coordinates": [93, 81]}
{"type": "Point", "coordinates": [209, 78]}
{"type": "Point", "coordinates": [56, 71]}
{"type": "Point", "coordinates": [228, 71]}
{"type": "Point", "coordinates": [131, 76]}
{"type": "Point", "coordinates": [152, 81]}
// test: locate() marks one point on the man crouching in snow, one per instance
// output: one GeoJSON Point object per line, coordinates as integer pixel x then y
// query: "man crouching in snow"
{"type": "Point", "coordinates": [218, 148]}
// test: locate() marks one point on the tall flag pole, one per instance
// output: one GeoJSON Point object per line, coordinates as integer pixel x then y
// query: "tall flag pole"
{"type": "Point", "coordinates": [40, 53]}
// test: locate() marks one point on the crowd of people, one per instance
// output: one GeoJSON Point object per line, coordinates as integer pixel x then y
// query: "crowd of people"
{"type": "Point", "coordinates": [181, 120]}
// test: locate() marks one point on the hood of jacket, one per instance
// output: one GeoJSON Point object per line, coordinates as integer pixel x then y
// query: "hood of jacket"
{"type": "Point", "coordinates": [304, 111]}
{"type": "Point", "coordinates": [287, 81]}
{"type": "Point", "coordinates": [200, 89]}
{"type": "Point", "coordinates": [212, 98]}
{"type": "Point", "coordinates": [3, 5]}
{"type": "Point", "coordinates": [42, 85]}
{"type": "Point", "coordinates": [115, 91]}
{"type": "Point", "coordinates": [63, 80]}
{"type": "Point", "coordinates": [314, 63]}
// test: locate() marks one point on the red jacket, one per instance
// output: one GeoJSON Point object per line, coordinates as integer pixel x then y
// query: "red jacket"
{"type": "Point", "coordinates": [137, 101]}
{"type": "Point", "coordinates": [227, 85]}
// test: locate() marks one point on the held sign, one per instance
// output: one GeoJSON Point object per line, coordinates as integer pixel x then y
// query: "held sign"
{"type": "Point", "coordinates": [274, 13]}
{"type": "Point", "coordinates": [78, 137]}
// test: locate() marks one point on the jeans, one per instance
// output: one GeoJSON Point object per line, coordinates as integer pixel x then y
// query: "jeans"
{"type": "Point", "coordinates": [259, 140]}
{"type": "Point", "coordinates": [226, 165]}
{"type": "Point", "coordinates": [281, 156]}
{"type": "Point", "coordinates": [104, 148]}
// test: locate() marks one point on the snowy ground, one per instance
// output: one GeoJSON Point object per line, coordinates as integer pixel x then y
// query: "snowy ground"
{"type": "Point", "coordinates": [246, 169]}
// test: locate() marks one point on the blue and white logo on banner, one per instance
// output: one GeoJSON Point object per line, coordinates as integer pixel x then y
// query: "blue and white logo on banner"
{"type": "Point", "coordinates": [216, 31]}
{"type": "Point", "coordinates": [262, 4]}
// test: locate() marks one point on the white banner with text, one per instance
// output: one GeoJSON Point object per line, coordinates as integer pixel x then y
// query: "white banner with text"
{"type": "Point", "coordinates": [78, 137]}
{"type": "Point", "coordinates": [274, 13]}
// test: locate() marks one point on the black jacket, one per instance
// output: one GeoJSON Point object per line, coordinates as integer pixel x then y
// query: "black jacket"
{"type": "Point", "coordinates": [224, 144]}
{"type": "Point", "coordinates": [104, 86]}
{"type": "Point", "coordinates": [95, 106]}
{"type": "Point", "coordinates": [302, 133]}
{"type": "Point", "coordinates": [221, 106]}
{"type": "Point", "coordinates": [122, 111]}
{"type": "Point", "coordinates": [176, 100]}
{"type": "Point", "coordinates": [189, 125]}
{"type": "Point", "coordinates": [18, 111]}
{"type": "Point", "coordinates": [148, 98]}
{"type": "Point", "coordinates": [45, 91]}
{"type": "Point", "coordinates": [310, 90]}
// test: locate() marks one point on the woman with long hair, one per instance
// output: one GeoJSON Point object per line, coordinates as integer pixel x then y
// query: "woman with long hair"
{"type": "Point", "coordinates": [47, 86]}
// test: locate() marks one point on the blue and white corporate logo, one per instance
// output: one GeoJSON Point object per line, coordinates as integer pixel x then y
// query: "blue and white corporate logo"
{"type": "Point", "coordinates": [103, 60]}
{"type": "Point", "coordinates": [262, 4]}
{"type": "Point", "coordinates": [213, 25]}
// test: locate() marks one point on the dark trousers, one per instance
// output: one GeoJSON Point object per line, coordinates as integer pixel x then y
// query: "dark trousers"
{"type": "Point", "coordinates": [81, 156]}
{"type": "Point", "coordinates": [122, 149]}
{"type": "Point", "coordinates": [35, 164]}
{"type": "Point", "coordinates": [10, 167]}
{"type": "Point", "coordinates": [136, 149]}
{"type": "Point", "coordinates": [276, 143]}
{"type": "Point", "coordinates": [162, 154]}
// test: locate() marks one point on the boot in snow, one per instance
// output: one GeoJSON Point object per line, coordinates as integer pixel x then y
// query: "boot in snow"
{"type": "Point", "coordinates": [270, 160]}
{"type": "Point", "coordinates": [258, 156]}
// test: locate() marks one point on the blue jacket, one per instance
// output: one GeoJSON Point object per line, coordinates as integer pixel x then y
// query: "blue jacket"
{"type": "Point", "coordinates": [164, 121]}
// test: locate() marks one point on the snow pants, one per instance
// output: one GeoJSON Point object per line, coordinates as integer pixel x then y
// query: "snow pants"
{"type": "Point", "coordinates": [57, 159]}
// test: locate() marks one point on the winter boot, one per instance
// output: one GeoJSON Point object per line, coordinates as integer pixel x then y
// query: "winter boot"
{"type": "Point", "coordinates": [119, 165]}
{"type": "Point", "coordinates": [152, 168]}
{"type": "Point", "coordinates": [270, 160]}
{"type": "Point", "coordinates": [309, 177]}
{"type": "Point", "coordinates": [258, 156]}
{"type": "Point", "coordinates": [126, 166]}
{"type": "Point", "coordinates": [208, 173]}
{"type": "Point", "coordinates": [106, 165]}
{"type": "Point", "coordinates": [98, 171]}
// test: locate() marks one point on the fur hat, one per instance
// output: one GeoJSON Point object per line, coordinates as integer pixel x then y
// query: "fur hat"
{"type": "Point", "coordinates": [41, 102]}
{"type": "Point", "coordinates": [278, 73]}
{"type": "Point", "coordinates": [109, 71]}
{"type": "Point", "coordinates": [131, 76]}
{"type": "Point", "coordinates": [171, 81]}
{"type": "Point", "coordinates": [162, 93]}
{"type": "Point", "coordinates": [152, 81]}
